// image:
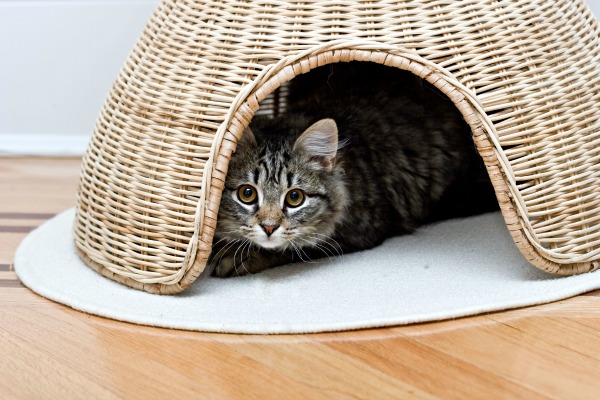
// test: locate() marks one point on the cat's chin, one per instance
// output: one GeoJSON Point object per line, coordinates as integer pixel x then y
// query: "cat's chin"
{"type": "Point", "coordinates": [270, 243]}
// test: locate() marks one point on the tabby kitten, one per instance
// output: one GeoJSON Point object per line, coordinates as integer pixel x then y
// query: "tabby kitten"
{"type": "Point", "coordinates": [348, 165]}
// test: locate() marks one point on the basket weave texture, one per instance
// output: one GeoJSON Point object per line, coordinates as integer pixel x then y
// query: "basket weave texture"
{"type": "Point", "coordinates": [524, 74]}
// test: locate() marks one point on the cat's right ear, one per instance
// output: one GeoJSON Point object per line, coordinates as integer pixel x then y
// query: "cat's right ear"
{"type": "Point", "coordinates": [320, 142]}
{"type": "Point", "coordinates": [247, 140]}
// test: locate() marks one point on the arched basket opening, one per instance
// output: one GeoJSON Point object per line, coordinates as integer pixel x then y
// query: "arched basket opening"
{"type": "Point", "coordinates": [266, 98]}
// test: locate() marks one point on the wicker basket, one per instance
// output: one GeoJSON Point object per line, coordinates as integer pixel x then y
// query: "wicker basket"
{"type": "Point", "coordinates": [525, 74]}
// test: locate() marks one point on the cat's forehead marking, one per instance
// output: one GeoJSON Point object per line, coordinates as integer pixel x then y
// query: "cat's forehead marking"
{"type": "Point", "coordinates": [272, 166]}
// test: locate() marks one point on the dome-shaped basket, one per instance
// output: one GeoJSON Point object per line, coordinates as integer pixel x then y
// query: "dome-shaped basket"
{"type": "Point", "coordinates": [525, 74]}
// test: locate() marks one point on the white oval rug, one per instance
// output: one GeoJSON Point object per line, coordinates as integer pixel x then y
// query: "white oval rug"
{"type": "Point", "coordinates": [445, 270]}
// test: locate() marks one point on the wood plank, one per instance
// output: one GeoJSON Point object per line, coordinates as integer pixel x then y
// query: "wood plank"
{"type": "Point", "coordinates": [30, 373]}
{"type": "Point", "coordinates": [417, 362]}
{"type": "Point", "coordinates": [337, 374]}
{"type": "Point", "coordinates": [25, 216]}
{"type": "Point", "coordinates": [8, 248]}
{"type": "Point", "coordinates": [24, 182]}
{"type": "Point", "coordinates": [528, 356]}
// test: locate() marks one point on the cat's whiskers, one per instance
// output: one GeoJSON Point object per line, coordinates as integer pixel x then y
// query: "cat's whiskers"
{"type": "Point", "coordinates": [299, 251]}
{"type": "Point", "coordinates": [222, 239]}
{"type": "Point", "coordinates": [330, 255]}
{"type": "Point", "coordinates": [222, 252]}
{"type": "Point", "coordinates": [246, 228]}
{"type": "Point", "coordinates": [334, 245]}
{"type": "Point", "coordinates": [241, 246]}
{"type": "Point", "coordinates": [226, 247]}
{"type": "Point", "coordinates": [248, 248]}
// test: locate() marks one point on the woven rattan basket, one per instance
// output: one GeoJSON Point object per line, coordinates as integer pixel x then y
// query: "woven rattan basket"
{"type": "Point", "coordinates": [525, 74]}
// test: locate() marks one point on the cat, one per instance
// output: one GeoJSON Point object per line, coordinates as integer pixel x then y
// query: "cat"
{"type": "Point", "coordinates": [363, 152]}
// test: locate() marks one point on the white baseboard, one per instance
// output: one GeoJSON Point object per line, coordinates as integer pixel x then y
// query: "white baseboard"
{"type": "Point", "coordinates": [43, 144]}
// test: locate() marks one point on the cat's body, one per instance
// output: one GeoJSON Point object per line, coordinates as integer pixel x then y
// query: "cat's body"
{"type": "Point", "coordinates": [406, 158]}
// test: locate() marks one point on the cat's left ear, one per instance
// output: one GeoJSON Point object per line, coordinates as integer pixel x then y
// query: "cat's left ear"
{"type": "Point", "coordinates": [320, 141]}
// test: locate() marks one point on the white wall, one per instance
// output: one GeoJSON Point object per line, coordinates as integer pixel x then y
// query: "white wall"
{"type": "Point", "coordinates": [595, 7]}
{"type": "Point", "coordinates": [58, 60]}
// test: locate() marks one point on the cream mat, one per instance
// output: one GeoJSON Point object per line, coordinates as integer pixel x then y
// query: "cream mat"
{"type": "Point", "coordinates": [445, 270]}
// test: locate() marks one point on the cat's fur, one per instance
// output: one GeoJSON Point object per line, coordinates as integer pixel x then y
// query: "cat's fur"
{"type": "Point", "coordinates": [405, 158]}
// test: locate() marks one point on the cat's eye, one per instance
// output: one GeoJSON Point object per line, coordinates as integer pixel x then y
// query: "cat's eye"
{"type": "Point", "coordinates": [294, 198]}
{"type": "Point", "coordinates": [247, 194]}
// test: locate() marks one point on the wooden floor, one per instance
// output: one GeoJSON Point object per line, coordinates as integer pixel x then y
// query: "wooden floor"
{"type": "Point", "coordinates": [52, 352]}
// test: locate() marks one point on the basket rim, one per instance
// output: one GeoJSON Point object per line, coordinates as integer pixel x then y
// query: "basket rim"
{"type": "Point", "coordinates": [509, 199]}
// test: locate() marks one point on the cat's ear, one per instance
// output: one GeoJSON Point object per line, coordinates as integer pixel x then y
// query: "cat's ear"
{"type": "Point", "coordinates": [247, 140]}
{"type": "Point", "coordinates": [320, 142]}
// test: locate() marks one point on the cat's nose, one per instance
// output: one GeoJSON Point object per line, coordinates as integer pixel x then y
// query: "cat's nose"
{"type": "Point", "coordinates": [269, 229]}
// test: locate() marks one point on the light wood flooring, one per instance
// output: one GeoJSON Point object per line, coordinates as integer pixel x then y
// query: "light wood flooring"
{"type": "Point", "coordinates": [49, 351]}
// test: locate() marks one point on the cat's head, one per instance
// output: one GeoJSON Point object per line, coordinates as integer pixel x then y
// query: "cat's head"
{"type": "Point", "coordinates": [285, 188]}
